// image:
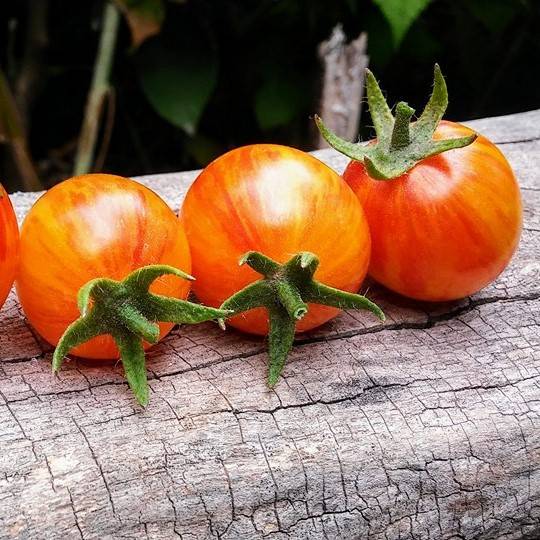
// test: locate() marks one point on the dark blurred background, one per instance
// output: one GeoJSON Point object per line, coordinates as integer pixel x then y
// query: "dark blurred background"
{"type": "Point", "coordinates": [192, 78]}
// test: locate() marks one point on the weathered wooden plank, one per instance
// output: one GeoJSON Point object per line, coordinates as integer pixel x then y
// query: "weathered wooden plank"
{"type": "Point", "coordinates": [520, 127]}
{"type": "Point", "coordinates": [16, 339]}
{"type": "Point", "coordinates": [426, 427]}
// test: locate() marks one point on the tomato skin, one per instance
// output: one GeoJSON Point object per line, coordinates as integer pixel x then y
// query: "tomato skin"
{"type": "Point", "coordinates": [9, 245]}
{"type": "Point", "coordinates": [448, 227]}
{"type": "Point", "coordinates": [91, 226]}
{"type": "Point", "coordinates": [279, 201]}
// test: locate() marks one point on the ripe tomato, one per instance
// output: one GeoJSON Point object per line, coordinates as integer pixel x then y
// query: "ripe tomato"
{"type": "Point", "coordinates": [93, 226]}
{"type": "Point", "coordinates": [442, 203]}
{"type": "Point", "coordinates": [449, 226]}
{"type": "Point", "coordinates": [278, 201]}
{"type": "Point", "coordinates": [9, 245]}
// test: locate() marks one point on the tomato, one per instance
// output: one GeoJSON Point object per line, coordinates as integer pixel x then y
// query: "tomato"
{"type": "Point", "coordinates": [94, 226]}
{"type": "Point", "coordinates": [442, 202]}
{"type": "Point", "coordinates": [449, 226]}
{"type": "Point", "coordinates": [278, 201]}
{"type": "Point", "coordinates": [9, 245]}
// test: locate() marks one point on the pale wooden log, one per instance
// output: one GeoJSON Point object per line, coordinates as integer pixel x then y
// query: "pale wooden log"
{"type": "Point", "coordinates": [343, 67]}
{"type": "Point", "coordinates": [425, 427]}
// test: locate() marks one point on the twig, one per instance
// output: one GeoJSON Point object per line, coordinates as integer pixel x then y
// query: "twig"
{"type": "Point", "coordinates": [98, 90]}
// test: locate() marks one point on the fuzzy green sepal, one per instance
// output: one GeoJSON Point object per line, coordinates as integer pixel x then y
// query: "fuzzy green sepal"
{"type": "Point", "coordinates": [400, 144]}
{"type": "Point", "coordinates": [285, 291]}
{"type": "Point", "coordinates": [128, 311]}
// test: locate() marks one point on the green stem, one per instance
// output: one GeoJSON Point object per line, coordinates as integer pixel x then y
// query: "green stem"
{"type": "Point", "coordinates": [137, 324]}
{"type": "Point", "coordinates": [400, 144]}
{"type": "Point", "coordinates": [78, 332]}
{"type": "Point", "coordinates": [319, 293]}
{"type": "Point", "coordinates": [280, 342]}
{"type": "Point", "coordinates": [290, 299]}
{"type": "Point", "coordinates": [401, 136]}
{"type": "Point", "coordinates": [260, 263]}
{"type": "Point", "coordinates": [284, 293]}
{"type": "Point", "coordinates": [132, 354]}
{"type": "Point", "coordinates": [128, 312]}
{"type": "Point", "coordinates": [98, 90]}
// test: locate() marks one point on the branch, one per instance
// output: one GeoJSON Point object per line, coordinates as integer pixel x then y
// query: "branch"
{"type": "Point", "coordinates": [98, 90]}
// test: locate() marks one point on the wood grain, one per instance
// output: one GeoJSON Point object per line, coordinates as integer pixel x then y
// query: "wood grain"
{"type": "Point", "coordinates": [425, 427]}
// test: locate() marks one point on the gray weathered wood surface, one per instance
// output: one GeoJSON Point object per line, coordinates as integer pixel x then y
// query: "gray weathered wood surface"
{"type": "Point", "coordinates": [426, 427]}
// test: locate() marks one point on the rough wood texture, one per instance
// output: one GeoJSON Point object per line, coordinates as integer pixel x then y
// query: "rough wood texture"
{"type": "Point", "coordinates": [342, 84]}
{"type": "Point", "coordinates": [426, 427]}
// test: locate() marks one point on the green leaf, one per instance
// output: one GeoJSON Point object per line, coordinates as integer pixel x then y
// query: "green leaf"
{"type": "Point", "coordinates": [203, 149]}
{"type": "Point", "coordinates": [178, 80]}
{"type": "Point", "coordinates": [495, 15]}
{"type": "Point", "coordinates": [278, 101]}
{"type": "Point", "coordinates": [400, 15]}
{"type": "Point", "coordinates": [422, 44]}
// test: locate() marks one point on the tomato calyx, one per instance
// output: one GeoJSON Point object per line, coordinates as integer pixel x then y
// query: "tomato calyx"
{"type": "Point", "coordinates": [285, 292]}
{"type": "Point", "coordinates": [128, 312]}
{"type": "Point", "coordinates": [400, 144]}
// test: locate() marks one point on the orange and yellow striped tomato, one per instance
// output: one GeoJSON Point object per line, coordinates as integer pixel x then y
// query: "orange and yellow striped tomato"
{"type": "Point", "coordinates": [91, 226]}
{"type": "Point", "coordinates": [9, 245]}
{"type": "Point", "coordinates": [278, 201]}
{"type": "Point", "coordinates": [449, 226]}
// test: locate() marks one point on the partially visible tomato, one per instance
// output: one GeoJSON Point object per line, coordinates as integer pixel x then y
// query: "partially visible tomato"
{"type": "Point", "coordinates": [278, 201]}
{"type": "Point", "coordinates": [94, 226]}
{"type": "Point", "coordinates": [9, 245]}
{"type": "Point", "coordinates": [449, 226]}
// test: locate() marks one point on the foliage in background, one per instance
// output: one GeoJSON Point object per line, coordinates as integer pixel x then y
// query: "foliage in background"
{"type": "Point", "coordinates": [193, 78]}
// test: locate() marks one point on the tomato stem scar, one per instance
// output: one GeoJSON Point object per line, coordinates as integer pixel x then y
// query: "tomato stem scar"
{"type": "Point", "coordinates": [400, 144]}
{"type": "Point", "coordinates": [128, 312]}
{"type": "Point", "coordinates": [285, 291]}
